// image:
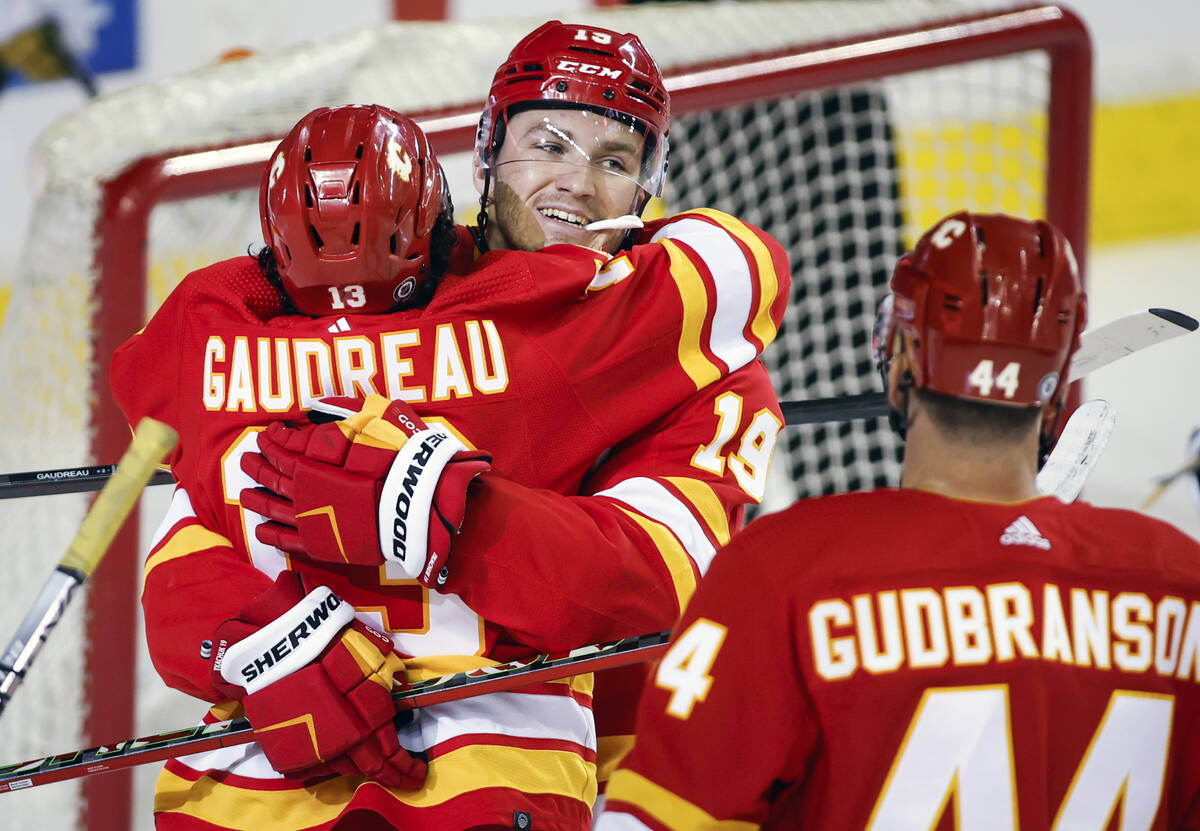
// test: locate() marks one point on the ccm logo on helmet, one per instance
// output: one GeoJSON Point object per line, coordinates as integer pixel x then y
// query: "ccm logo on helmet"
{"type": "Point", "coordinates": [589, 69]}
{"type": "Point", "coordinates": [407, 486]}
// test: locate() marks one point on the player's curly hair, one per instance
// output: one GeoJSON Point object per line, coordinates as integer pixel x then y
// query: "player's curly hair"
{"type": "Point", "coordinates": [441, 249]}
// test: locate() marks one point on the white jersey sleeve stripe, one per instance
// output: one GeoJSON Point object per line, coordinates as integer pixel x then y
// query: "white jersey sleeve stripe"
{"type": "Point", "coordinates": [732, 281]}
{"type": "Point", "coordinates": [179, 509]}
{"type": "Point", "coordinates": [241, 760]}
{"type": "Point", "coordinates": [653, 500]}
{"type": "Point", "coordinates": [762, 326]}
{"type": "Point", "coordinates": [512, 714]}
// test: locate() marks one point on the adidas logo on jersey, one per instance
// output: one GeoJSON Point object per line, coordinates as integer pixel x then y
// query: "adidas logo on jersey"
{"type": "Point", "coordinates": [1024, 532]}
{"type": "Point", "coordinates": [339, 325]}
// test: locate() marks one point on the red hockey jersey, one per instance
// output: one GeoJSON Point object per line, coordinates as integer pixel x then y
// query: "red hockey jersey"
{"type": "Point", "coordinates": [902, 660]}
{"type": "Point", "coordinates": [629, 421]}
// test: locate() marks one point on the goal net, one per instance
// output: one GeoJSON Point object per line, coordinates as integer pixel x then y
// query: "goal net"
{"type": "Point", "coordinates": [843, 129]}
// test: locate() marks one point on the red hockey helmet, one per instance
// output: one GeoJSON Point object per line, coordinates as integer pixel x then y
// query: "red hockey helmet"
{"type": "Point", "coordinates": [991, 307]}
{"type": "Point", "coordinates": [561, 65]}
{"type": "Point", "coordinates": [348, 205]}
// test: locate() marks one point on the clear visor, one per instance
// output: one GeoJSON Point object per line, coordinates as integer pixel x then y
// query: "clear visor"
{"type": "Point", "coordinates": [880, 331]}
{"type": "Point", "coordinates": [620, 163]}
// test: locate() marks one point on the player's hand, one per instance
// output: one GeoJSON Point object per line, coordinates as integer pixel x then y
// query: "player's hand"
{"type": "Point", "coordinates": [378, 485]}
{"type": "Point", "coordinates": [316, 684]}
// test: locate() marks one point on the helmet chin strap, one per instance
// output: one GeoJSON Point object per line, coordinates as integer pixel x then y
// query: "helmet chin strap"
{"type": "Point", "coordinates": [1046, 439]}
{"type": "Point", "coordinates": [479, 232]}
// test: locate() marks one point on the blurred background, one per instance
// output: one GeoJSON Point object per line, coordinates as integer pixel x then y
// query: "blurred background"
{"type": "Point", "coordinates": [1144, 227]}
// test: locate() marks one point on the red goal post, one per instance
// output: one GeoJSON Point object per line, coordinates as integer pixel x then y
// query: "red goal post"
{"type": "Point", "coordinates": [774, 86]}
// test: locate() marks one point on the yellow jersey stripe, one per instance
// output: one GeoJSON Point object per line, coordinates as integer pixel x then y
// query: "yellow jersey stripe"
{"type": "Point", "coordinates": [372, 408]}
{"type": "Point", "coordinates": [690, 285]}
{"type": "Point", "coordinates": [461, 771]}
{"type": "Point", "coordinates": [704, 499]}
{"type": "Point", "coordinates": [679, 564]}
{"type": "Point", "coordinates": [610, 750]}
{"type": "Point", "coordinates": [762, 325]}
{"type": "Point", "coordinates": [188, 540]}
{"type": "Point", "coordinates": [667, 808]}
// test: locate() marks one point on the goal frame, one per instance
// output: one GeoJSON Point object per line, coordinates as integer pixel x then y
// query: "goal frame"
{"type": "Point", "coordinates": [129, 198]}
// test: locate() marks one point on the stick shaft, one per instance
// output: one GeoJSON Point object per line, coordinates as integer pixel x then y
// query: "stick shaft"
{"type": "Point", "coordinates": [200, 738]}
{"type": "Point", "coordinates": [64, 480]}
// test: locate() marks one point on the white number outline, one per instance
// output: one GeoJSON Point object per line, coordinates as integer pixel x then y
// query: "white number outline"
{"type": "Point", "coordinates": [752, 458]}
{"type": "Point", "coordinates": [593, 36]}
{"type": "Point", "coordinates": [355, 296]}
{"type": "Point", "coordinates": [686, 667]}
{"type": "Point", "coordinates": [1126, 757]}
{"type": "Point", "coordinates": [984, 377]}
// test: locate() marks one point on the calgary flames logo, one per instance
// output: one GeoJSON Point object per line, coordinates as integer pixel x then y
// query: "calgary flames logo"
{"type": "Point", "coordinates": [399, 161]}
{"type": "Point", "coordinates": [276, 170]}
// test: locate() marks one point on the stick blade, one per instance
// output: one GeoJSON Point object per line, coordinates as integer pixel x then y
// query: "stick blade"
{"type": "Point", "coordinates": [1080, 445]}
{"type": "Point", "coordinates": [1125, 335]}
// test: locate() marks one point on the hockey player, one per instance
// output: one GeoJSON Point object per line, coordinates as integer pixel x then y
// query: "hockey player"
{"type": "Point", "coordinates": [606, 416]}
{"type": "Point", "coordinates": [574, 133]}
{"type": "Point", "coordinates": [955, 653]}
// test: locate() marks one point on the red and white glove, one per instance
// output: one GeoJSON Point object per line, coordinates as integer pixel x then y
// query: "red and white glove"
{"type": "Point", "coordinates": [377, 486]}
{"type": "Point", "coordinates": [316, 684]}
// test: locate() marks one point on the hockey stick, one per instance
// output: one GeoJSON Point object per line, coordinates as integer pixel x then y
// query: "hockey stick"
{"type": "Point", "coordinates": [509, 676]}
{"type": "Point", "coordinates": [151, 441]}
{"type": "Point", "coordinates": [1098, 347]}
{"type": "Point", "coordinates": [1162, 482]}
{"type": "Point", "coordinates": [65, 480]}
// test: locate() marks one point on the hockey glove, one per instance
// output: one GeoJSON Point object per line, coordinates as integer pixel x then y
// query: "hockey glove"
{"type": "Point", "coordinates": [377, 486]}
{"type": "Point", "coordinates": [316, 684]}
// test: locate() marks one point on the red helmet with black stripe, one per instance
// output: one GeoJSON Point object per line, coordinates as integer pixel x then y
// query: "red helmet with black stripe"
{"type": "Point", "coordinates": [348, 206]}
{"type": "Point", "coordinates": [989, 307]}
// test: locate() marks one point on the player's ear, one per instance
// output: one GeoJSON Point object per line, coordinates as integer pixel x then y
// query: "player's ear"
{"type": "Point", "coordinates": [1050, 412]}
{"type": "Point", "coordinates": [1048, 426]}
